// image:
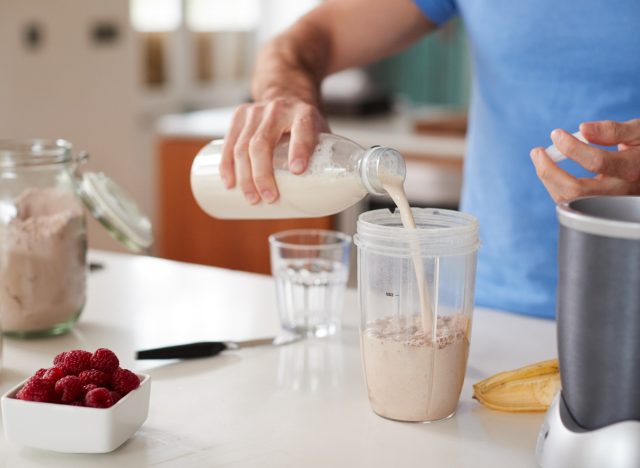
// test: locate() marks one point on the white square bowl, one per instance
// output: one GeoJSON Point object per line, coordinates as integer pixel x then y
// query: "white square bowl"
{"type": "Point", "coordinates": [75, 429]}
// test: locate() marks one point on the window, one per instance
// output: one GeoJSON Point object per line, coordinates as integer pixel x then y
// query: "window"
{"type": "Point", "coordinates": [222, 15]}
{"type": "Point", "coordinates": [155, 15]}
{"type": "Point", "coordinates": [154, 20]}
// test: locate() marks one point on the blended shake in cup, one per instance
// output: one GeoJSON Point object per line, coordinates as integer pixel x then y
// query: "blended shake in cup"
{"type": "Point", "coordinates": [416, 289]}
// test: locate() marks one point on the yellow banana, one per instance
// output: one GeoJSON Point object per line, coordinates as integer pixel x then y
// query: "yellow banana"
{"type": "Point", "coordinates": [530, 388]}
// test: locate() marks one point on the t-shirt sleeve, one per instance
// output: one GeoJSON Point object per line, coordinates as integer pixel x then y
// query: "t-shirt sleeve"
{"type": "Point", "coordinates": [438, 11]}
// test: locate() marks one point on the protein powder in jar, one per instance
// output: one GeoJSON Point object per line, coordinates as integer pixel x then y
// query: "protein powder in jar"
{"type": "Point", "coordinates": [43, 238]}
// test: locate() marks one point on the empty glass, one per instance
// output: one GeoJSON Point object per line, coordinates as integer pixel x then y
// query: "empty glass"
{"type": "Point", "coordinates": [311, 268]}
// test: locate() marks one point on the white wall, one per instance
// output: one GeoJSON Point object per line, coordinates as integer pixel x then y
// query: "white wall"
{"type": "Point", "coordinates": [74, 89]}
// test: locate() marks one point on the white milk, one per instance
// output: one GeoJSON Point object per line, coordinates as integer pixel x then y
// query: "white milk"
{"type": "Point", "coordinates": [301, 196]}
{"type": "Point", "coordinates": [331, 183]}
{"type": "Point", "coordinates": [394, 185]}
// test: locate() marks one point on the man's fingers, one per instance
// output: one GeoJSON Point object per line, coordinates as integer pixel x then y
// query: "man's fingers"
{"type": "Point", "coordinates": [621, 164]}
{"type": "Point", "coordinates": [227, 170]}
{"type": "Point", "coordinates": [304, 137]}
{"type": "Point", "coordinates": [590, 157]}
{"type": "Point", "coordinates": [247, 154]}
{"type": "Point", "coordinates": [560, 184]}
{"type": "Point", "coordinates": [610, 132]}
{"type": "Point", "coordinates": [241, 155]}
{"type": "Point", "coordinates": [611, 186]}
{"type": "Point", "coordinates": [628, 164]}
{"type": "Point", "coordinates": [274, 124]}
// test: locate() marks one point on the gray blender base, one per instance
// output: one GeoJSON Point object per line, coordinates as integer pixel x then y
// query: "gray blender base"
{"type": "Point", "coordinates": [614, 446]}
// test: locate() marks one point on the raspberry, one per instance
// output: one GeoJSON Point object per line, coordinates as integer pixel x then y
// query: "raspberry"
{"type": "Point", "coordinates": [76, 361]}
{"type": "Point", "coordinates": [98, 398]}
{"type": "Point", "coordinates": [87, 388]}
{"type": "Point", "coordinates": [96, 377]}
{"type": "Point", "coordinates": [69, 388]}
{"type": "Point", "coordinates": [59, 359]}
{"type": "Point", "coordinates": [123, 381]}
{"type": "Point", "coordinates": [115, 396]}
{"type": "Point", "coordinates": [54, 374]}
{"type": "Point", "coordinates": [105, 360]}
{"type": "Point", "coordinates": [37, 389]}
{"type": "Point", "coordinates": [40, 372]}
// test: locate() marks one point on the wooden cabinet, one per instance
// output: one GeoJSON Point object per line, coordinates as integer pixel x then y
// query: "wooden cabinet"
{"type": "Point", "coordinates": [184, 232]}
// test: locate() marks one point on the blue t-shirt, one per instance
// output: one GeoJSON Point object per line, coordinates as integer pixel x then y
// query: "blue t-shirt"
{"type": "Point", "coordinates": [539, 65]}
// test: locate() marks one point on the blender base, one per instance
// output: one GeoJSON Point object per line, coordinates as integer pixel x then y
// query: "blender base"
{"type": "Point", "coordinates": [562, 443]}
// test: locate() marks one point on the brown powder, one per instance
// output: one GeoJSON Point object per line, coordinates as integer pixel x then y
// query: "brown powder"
{"type": "Point", "coordinates": [43, 261]}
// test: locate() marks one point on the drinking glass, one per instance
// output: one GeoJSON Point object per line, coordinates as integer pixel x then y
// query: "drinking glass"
{"type": "Point", "coordinates": [311, 268]}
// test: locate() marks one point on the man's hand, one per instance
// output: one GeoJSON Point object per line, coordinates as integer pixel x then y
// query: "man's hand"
{"type": "Point", "coordinates": [286, 85]}
{"type": "Point", "coordinates": [254, 132]}
{"type": "Point", "coordinates": [618, 172]}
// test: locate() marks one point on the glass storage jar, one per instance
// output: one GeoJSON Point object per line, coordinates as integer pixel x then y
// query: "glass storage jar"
{"type": "Point", "coordinates": [43, 237]}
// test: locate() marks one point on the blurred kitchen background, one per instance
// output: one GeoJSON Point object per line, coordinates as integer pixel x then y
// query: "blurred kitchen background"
{"type": "Point", "coordinates": [143, 84]}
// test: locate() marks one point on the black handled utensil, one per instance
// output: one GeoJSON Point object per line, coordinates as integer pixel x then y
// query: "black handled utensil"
{"type": "Point", "coordinates": [210, 348]}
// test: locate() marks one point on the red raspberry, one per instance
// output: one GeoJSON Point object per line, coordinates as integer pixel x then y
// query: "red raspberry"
{"type": "Point", "coordinates": [76, 361]}
{"type": "Point", "coordinates": [105, 360]}
{"type": "Point", "coordinates": [37, 389]}
{"type": "Point", "coordinates": [87, 388]}
{"type": "Point", "coordinates": [115, 396]}
{"type": "Point", "coordinates": [123, 381]}
{"type": "Point", "coordinates": [59, 359]}
{"type": "Point", "coordinates": [69, 389]}
{"type": "Point", "coordinates": [98, 398]}
{"type": "Point", "coordinates": [54, 374]}
{"type": "Point", "coordinates": [96, 377]}
{"type": "Point", "coordinates": [40, 372]}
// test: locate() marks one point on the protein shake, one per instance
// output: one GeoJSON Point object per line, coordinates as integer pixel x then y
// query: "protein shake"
{"type": "Point", "coordinates": [411, 377]}
{"type": "Point", "coordinates": [414, 360]}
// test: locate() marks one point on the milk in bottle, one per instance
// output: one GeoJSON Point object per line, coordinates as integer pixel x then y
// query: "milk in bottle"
{"type": "Point", "coordinates": [340, 173]}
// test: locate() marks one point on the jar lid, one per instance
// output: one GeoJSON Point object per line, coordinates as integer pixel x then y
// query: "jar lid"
{"type": "Point", "coordinates": [115, 210]}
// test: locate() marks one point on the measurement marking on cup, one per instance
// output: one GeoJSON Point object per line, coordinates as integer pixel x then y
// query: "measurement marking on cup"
{"type": "Point", "coordinates": [390, 294]}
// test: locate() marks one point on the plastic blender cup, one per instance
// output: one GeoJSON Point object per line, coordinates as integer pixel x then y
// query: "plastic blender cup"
{"type": "Point", "coordinates": [415, 364]}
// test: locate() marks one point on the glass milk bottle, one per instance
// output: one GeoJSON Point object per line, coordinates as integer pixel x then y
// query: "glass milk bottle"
{"type": "Point", "coordinates": [340, 173]}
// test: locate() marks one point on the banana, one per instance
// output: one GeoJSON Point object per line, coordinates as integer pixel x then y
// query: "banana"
{"type": "Point", "coordinates": [530, 388]}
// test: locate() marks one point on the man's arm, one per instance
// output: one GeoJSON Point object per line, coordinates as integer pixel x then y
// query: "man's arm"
{"type": "Point", "coordinates": [286, 85]}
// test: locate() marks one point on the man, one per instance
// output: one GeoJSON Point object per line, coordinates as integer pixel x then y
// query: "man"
{"type": "Point", "coordinates": [539, 65]}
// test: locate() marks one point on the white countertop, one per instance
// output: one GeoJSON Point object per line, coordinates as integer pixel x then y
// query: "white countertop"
{"type": "Point", "coordinates": [301, 405]}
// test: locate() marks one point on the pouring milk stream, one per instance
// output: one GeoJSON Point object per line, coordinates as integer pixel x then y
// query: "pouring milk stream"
{"type": "Point", "coordinates": [394, 185]}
